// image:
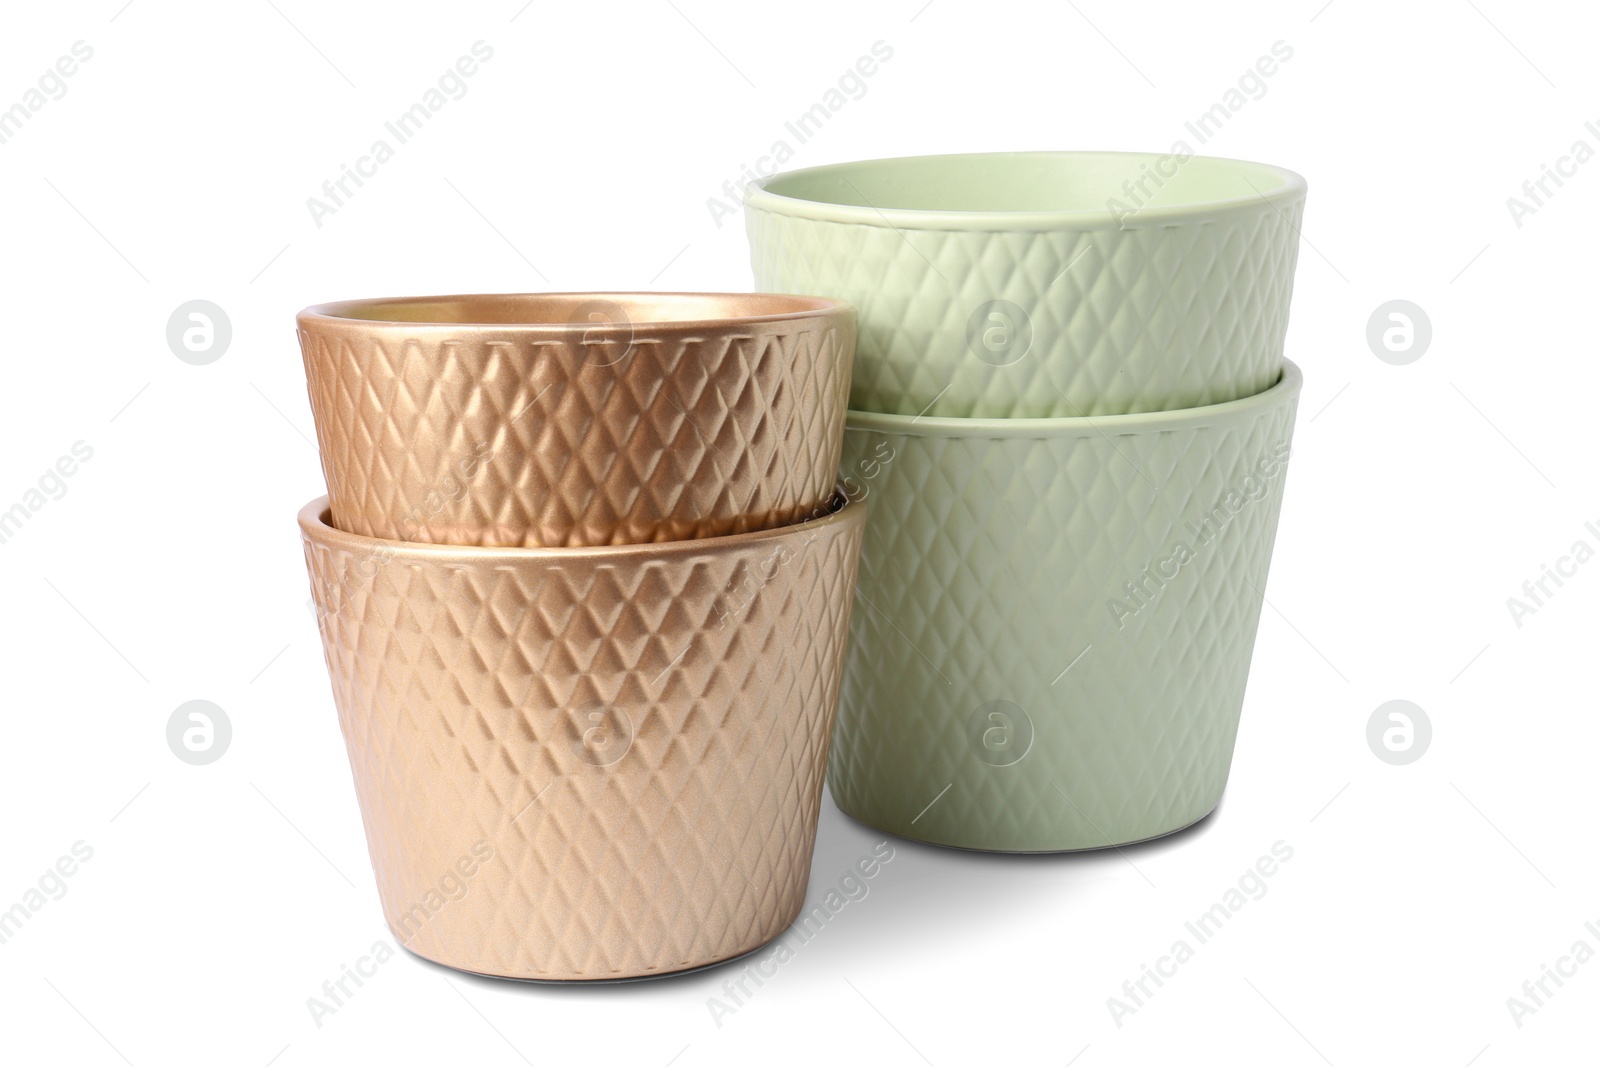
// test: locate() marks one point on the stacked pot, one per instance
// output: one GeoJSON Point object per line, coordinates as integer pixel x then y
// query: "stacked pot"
{"type": "Point", "coordinates": [583, 580]}
{"type": "Point", "coordinates": [1071, 417]}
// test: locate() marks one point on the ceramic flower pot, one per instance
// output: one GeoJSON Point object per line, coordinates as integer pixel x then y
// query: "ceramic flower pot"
{"type": "Point", "coordinates": [590, 763]}
{"type": "Point", "coordinates": [1042, 284]}
{"type": "Point", "coordinates": [577, 419]}
{"type": "Point", "coordinates": [1056, 620]}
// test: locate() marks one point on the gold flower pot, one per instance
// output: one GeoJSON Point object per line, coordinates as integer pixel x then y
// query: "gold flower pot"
{"type": "Point", "coordinates": [590, 763]}
{"type": "Point", "coordinates": [571, 419]}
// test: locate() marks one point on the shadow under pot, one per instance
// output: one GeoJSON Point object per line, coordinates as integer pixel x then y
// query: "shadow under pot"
{"type": "Point", "coordinates": [1057, 619]}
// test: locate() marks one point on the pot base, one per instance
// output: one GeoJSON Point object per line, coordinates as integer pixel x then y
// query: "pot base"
{"type": "Point", "coordinates": [1032, 851]}
{"type": "Point", "coordinates": [629, 979]}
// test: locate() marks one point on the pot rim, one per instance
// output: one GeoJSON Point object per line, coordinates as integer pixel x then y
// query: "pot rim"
{"type": "Point", "coordinates": [1290, 188]}
{"type": "Point", "coordinates": [742, 309]}
{"type": "Point", "coordinates": [1138, 422]}
{"type": "Point", "coordinates": [316, 525]}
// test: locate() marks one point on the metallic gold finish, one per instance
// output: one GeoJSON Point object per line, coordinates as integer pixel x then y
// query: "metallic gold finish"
{"type": "Point", "coordinates": [570, 419]}
{"type": "Point", "coordinates": [589, 763]}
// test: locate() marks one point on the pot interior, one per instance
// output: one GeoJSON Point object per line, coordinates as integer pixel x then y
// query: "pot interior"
{"type": "Point", "coordinates": [1032, 182]}
{"type": "Point", "coordinates": [577, 309]}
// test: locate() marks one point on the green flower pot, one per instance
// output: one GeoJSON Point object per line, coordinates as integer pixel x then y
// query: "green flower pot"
{"type": "Point", "coordinates": [1042, 284]}
{"type": "Point", "coordinates": [1055, 619]}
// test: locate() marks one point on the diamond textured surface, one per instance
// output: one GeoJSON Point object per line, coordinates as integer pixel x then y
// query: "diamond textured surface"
{"type": "Point", "coordinates": [489, 438]}
{"type": "Point", "coordinates": [588, 765]}
{"type": "Point", "coordinates": [992, 697]}
{"type": "Point", "coordinates": [1122, 320]}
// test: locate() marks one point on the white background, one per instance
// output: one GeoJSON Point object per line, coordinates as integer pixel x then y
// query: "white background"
{"type": "Point", "coordinates": [219, 898]}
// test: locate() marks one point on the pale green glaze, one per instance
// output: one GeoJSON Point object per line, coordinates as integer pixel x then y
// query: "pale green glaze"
{"type": "Point", "coordinates": [1042, 284]}
{"type": "Point", "coordinates": [1055, 620]}
{"type": "Point", "coordinates": [1028, 190]}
